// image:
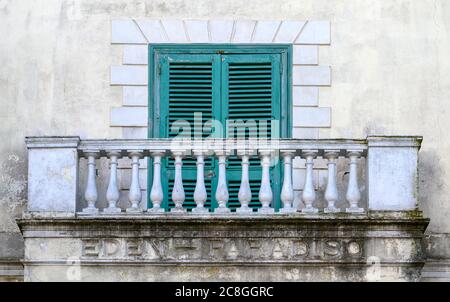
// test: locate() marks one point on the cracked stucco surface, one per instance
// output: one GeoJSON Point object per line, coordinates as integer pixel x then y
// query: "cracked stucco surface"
{"type": "Point", "coordinates": [391, 75]}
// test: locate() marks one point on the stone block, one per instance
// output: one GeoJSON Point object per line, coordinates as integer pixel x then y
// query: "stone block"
{"type": "Point", "coordinates": [129, 75]}
{"type": "Point", "coordinates": [305, 96]}
{"type": "Point", "coordinates": [305, 54]}
{"type": "Point", "coordinates": [126, 32]}
{"type": "Point", "coordinates": [312, 117]}
{"type": "Point", "coordinates": [265, 31]}
{"type": "Point", "coordinates": [129, 117]}
{"type": "Point", "coordinates": [288, 31]}
{"type": "Point", "coordinates": [153, 31]}
{"type": "Point", "coordinates": [175, 31]}
{"type": "Point", "coordinates": [135, 96]}
{"type": "Point", "coordinates": [311, 75]}
{"type": "Point", "coordinates": [243, 31]}
{"type": "Point", "coordinates": [197, 31]}
{"type": "Point", "coordinates": [52, 174]}
{"type": "Point", "coordinates": [305, 133]}
{"type": "Point", "coordinates": [315, 32]}
{"type": "Point", "coordinates": [221, 31]}
{"type": "Point", "coordinates": [135, 55]}
{"type": "Point", "coordinates": [134, 132]}
{"type": "Point", "coordinates": [392, 175]}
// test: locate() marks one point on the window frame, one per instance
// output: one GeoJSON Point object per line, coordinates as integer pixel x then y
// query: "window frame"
{"type": "Point", "coordinates": [155, 50]}
{"type": "Point", "coordinates": [154, 109]}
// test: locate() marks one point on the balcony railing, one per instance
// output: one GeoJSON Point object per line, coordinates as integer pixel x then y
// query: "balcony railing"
{"type": "Point", "coordinates": [390, 174]}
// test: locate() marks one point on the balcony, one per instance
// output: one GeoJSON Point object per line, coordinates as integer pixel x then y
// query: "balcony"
{"type": "Point", "coordinates": [365, 219]}
{"type": "Point", "coordinates": [388, 163]}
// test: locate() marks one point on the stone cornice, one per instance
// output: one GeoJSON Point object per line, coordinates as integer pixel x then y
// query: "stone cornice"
{"type": "Point", "coordinates": [328, 224]}
{"type": "Point", "coordinates": [394, 141]}
{"type": "Point", "coordinates": [48, 142]}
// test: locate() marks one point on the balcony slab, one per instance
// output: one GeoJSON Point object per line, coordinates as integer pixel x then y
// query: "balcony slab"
{"type": "Point", "coordinates": [377, 246]}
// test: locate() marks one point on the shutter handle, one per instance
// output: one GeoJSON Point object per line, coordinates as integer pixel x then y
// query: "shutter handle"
{"type": "Point", "coordinates": [210, 174]}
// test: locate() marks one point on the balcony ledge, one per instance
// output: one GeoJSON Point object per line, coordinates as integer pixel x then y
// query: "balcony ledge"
{"type": "Point", "coordinates": [342, 247]}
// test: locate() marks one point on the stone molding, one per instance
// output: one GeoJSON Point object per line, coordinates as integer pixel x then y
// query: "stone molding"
{"type": "Point", "coordinates": [11, 270]}
{"type": "Point", "coordinates": [49, 142]}
{"type": "Point", "coordinates": [395, 141]}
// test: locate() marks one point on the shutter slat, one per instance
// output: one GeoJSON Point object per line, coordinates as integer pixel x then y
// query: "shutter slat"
{"type": "Point", "coordinates": [250, 77]}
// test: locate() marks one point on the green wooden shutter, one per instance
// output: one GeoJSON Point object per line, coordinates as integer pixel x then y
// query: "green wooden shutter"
{"type": "Point", "coordinates": [187, 87]}
{"type": "Point", "coordinates": [222, 87]}
{"type": "Point", "coordinates": [250, 95]}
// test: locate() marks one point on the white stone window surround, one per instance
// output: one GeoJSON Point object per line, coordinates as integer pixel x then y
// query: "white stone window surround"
{"type": "Point", "coordinates": [307, 37]}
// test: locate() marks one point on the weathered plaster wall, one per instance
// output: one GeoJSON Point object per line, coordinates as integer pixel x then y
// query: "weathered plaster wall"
{"type": "Point", "coordinates": [390, 75]}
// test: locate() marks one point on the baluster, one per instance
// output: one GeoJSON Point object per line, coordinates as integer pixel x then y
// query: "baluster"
{"type": "Point", "coordinates": [113, 194]}
{"type": "Point", "coordinates": [91, 194]}
{"type": "Point", "coordinates": [353, 194]}
{"type": "Point", "coordinates": [287, 191]}
{"type": "Point", "coordinates": [222, 189]}
{"type": "Point", "coordinates": [200, 194]}
{"type": "Point", "coordinates": [265, 191]}
{"type": "Point", "coordinates": [331, 193]}
{"type": "Point", "coordinates": [156, 193]}
{"type": "Point", "coordinates": [309, 194]}
{"type": "Point", "coordinates": [178, 194]}
{"type": "Point", "coordinates": [135, 194]}
{"type": "Point", "coordinates": [245, 192]}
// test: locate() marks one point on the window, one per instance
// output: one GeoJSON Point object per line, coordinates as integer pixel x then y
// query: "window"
{"type": "Point", "coordinates": [244, 89]}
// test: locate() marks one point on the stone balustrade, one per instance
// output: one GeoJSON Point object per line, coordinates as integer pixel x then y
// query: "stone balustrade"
{"type": "Point", "coordinates": [390, 169]}
{"type": "Point", "coordinates": [358, 219]}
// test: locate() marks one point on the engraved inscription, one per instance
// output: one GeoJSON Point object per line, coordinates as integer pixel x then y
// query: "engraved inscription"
{"type": "Point", "coordinates": [224, 249]}
{"type": "Point", "coordinates": [91, 248]}
{"type": "Point", "coordinates": [134, 248]}
{"type": "Point", "coordinates": [354, 248]}
{"type": "Point", "coordinates": [332, 248]}
{"type": "Point", "coordinates": [111, 248]}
